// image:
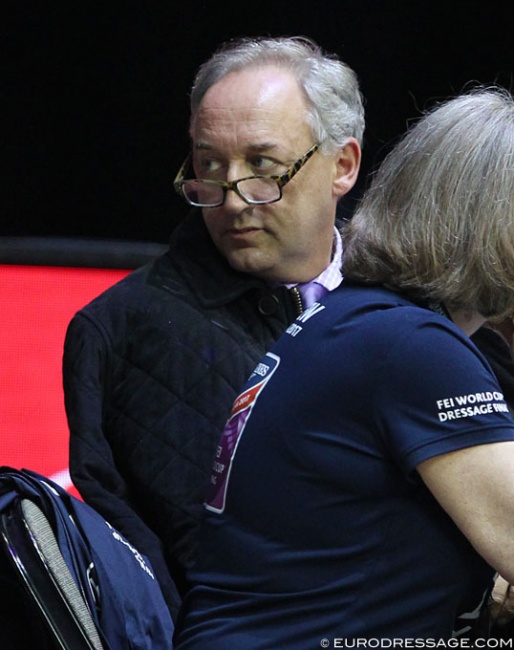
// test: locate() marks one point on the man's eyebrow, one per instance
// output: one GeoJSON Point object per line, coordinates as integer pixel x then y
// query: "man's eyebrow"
{"type": "Point", "coordinates": [202, 146]}
{"type": "Point", "coordinates": [257, 147]}
{"type": "Point", "coordinates": [264, 146]}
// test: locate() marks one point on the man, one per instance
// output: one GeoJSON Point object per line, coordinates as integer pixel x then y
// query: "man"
{"type": "Point", "coordinates": [152, 366]}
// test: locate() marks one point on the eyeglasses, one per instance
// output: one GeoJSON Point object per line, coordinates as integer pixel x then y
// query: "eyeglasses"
{"type": "Point", "coordinates": [255, 190]}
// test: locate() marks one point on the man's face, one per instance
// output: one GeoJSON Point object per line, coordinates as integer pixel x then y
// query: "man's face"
{"type": "Point", "coordinates": [254, 123]}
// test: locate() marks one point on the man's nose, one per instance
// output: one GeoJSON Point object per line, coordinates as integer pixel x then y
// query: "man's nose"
{"type": "Point", "coordinates": [233, 202]}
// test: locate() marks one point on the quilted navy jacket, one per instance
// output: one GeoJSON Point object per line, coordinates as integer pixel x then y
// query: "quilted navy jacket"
{"type": "Point", "coordinates": [151, 368]}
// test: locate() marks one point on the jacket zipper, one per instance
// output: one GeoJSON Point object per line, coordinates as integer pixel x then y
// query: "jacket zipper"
{"type": "Point", "coordinates": [297, 299]}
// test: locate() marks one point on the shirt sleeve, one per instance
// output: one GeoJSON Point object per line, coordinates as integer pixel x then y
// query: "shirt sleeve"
{"type": "Point", "coordinates": [436, 393]}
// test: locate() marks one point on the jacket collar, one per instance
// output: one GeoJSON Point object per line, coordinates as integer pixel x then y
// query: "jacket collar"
{"type": "Point", "coordinates": [204, 269]}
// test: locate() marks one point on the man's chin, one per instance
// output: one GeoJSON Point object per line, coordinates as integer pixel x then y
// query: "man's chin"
{"type": "Point", "coordinates": [251, 264]}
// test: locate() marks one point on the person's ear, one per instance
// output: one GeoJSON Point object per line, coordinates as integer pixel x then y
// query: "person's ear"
{"type": "Point", "coordinates": [347, 163]}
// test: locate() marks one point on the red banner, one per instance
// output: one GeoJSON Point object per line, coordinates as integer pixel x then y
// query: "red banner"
{"type": "Point", "coordinates": [36, 305]}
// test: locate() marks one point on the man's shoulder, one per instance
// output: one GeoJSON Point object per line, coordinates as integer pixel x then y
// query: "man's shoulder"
{"type": "Point", "coordinates": [148, 281]}
{"type": "Point", "coordinates": [143, 283]}
{"type": "Point", "coordinates": [147, 297]}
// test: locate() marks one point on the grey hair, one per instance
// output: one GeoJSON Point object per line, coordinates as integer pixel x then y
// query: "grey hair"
{"type": "Point", "coordinates": [331, 87]}
{"type": "Point", "coordinates": [438, 218]}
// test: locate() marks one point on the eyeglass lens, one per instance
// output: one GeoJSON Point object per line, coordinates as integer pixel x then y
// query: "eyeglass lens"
{"type": "Point", "coordinates": [255, 190]}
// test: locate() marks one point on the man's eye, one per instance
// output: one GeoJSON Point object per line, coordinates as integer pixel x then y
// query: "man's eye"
{"type": "Point", "coordinates": [263, 164]}
{"type": "Point", "coordinates": [206, 166]}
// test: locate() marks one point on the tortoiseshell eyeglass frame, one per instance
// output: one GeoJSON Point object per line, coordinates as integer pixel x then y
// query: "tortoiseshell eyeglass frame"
{"type": "Point", "coordinates": [280, 179]}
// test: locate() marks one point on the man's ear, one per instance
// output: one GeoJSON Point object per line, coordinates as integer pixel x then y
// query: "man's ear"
{"type": "Point", "coordinates": [347, 162]}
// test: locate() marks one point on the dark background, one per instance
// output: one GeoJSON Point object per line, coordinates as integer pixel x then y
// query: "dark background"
{"type": "Point", "coordinates": [94, 102]}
